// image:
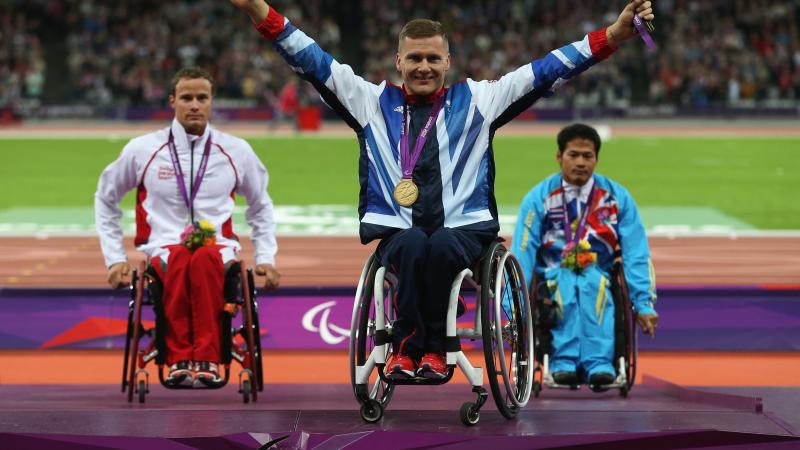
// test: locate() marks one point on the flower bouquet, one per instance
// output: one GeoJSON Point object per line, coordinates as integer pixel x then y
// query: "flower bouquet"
{"type": "Point", "coordinates": [578, 257]}
{"type": "Point", "coordinates": [198, 234]}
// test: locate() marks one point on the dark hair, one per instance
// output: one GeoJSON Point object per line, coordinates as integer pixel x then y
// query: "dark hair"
{"type": "Point", "coordinates": [578, 131]}
{"type": "Point", "coordinates": [422, 28]}
{"type": "Point", "coordinates": [191, 73]}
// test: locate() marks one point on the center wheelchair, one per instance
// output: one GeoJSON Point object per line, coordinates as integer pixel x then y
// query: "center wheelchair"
{"type": "Point", "coordinates": [503, 323]}
{"type": "Point", "coordinates": [625, 340]}
{"type": "Point", "coordinates": [240, 342]}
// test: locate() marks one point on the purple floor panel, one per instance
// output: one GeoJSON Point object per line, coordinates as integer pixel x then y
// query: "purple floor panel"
{"type": "Point", "coordinates": [326, 416]}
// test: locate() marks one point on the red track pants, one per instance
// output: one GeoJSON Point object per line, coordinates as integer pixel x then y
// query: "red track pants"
{"type": "Point", "coordinates": [193, 291]}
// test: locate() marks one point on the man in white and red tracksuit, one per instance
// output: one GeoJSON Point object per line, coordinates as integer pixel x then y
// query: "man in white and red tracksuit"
{"type": "Point", "coordinates": [426, 165]}
{"type": "Point", "coordinates": [185, 174]}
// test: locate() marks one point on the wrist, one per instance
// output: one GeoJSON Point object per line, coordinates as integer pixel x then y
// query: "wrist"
{"type": "Point", "coordinates": [258, 11]}
{"type": "Point", "coordinates": [612, 36]}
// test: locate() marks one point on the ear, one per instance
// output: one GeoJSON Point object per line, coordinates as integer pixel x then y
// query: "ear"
{"type": "Point", "coordinates": [559, 153]}
{"type": "Point", "coordinates": [447, 63]}
{"type": "Point", "coordinates": [397, 62]}
{"type": "Point", "coordinates": [172, 101]}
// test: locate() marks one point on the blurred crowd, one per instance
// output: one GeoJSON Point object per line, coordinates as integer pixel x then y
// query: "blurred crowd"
{"type": "Point", "coordinates": [123, 53]}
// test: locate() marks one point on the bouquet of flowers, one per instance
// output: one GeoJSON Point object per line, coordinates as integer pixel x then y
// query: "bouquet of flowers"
{"type": "Point", "coordinates": [578, 257]}
{"type": "Point", "coordinates": [198, 234]}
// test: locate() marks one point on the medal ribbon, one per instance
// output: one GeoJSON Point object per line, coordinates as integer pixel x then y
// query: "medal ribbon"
{"type": "Point", "coordinates": [409, 159]}
{"type": "Point", "coordinates": [201, 170]}
{"type": "Point", "coordinates": [640, 27]}
{"type": "Point", "coordinates": [584, 216]}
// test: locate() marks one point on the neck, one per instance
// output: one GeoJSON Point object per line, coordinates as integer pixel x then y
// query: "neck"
{"type": "Point", "coordinates": [575, 182]}
{"type": "Point", "coordinates": [413, 99]}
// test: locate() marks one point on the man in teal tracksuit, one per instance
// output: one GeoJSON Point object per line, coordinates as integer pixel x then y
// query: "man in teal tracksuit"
{"type": "Point", "coordinates": [570, 228]}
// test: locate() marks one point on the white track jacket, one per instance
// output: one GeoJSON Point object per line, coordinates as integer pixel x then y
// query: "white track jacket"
{"type": "Point", "coordinates": [161, 214]}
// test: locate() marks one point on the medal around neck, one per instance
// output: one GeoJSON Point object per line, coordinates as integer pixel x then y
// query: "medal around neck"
{"type": "Point", "coordinates": [406, 192]}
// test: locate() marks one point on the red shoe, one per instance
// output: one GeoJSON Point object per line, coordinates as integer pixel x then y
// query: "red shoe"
{"type": "Point", "coordinates": [432, 365]}
{"type": "Point", "coordinates": [399, 367]}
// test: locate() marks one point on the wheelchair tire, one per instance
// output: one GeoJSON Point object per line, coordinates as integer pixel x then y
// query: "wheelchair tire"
{"type": "Point", "coordinates": [371, 411]}
{"type": "Point", "coordinates": [257, 332]}
{"type": "Point", "coordinates": [129, 329]}
{"type": "Point", "coordinates": [249, 326]}
{"type": "Point", "coordinates": [246, 387]}
{"type": "Point", "coordinates": [468, 415]}
{"type": "Point", "coordinates": [507, 331]}
{"type": "Point", "coordinates": [142, 391]}
{"type": "Point", "coordinates": [136, 326]}
{"type": "Point", "coordinates": [362, 341]}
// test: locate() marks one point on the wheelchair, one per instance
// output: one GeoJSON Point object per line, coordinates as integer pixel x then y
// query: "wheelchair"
{"type": "Point", "coordinates": [241, 343]}
{"type": "Point", "coordinates": [625, 340]}
{"type": "Point", "coordinates": [503, 323]}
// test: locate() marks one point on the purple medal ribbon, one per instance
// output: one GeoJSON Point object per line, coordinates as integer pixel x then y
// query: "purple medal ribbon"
{"type": "Point", "coordinates": [409, 160]}
{"type": "Point", "coordinates": [201, 170]}
{"type": "Point", "coordinates": [584, 216]}
{"type": "Point", "coordinates": [642, 29]}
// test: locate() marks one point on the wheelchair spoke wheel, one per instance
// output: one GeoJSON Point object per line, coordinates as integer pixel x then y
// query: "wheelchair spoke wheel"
{"type": "Point", "coordinates": [507, 331]}
{"type": "Point", "coordinates": [362, 337]}
{"type": "Point", "coordinates": [136, 326]}
{"type": "Point", "coordinates": [250, 335]}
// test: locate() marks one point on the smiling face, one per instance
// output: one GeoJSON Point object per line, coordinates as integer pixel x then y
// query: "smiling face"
{"type": "Point", "coordinates": [422, 63]}
{"type": "Point", "coordinates": [192, 104]}
{"type": "Point", "coordinates": [577, 161]}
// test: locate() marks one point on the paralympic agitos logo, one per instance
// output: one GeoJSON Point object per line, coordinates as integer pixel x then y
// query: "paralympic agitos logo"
{"type": "Point", "coordinates": [330, 333]}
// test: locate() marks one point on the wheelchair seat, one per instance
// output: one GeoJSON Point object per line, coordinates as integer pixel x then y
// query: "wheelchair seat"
{"type": "Point", "coordinates": [239, 342]}
{"type": "Point", "coordinates": [625, 339]}
{"type": "Point", "coordinates": [502, 323]}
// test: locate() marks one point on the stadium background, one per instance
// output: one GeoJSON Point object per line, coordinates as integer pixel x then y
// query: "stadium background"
{"type": "Point", "coordinates": [704, 133]}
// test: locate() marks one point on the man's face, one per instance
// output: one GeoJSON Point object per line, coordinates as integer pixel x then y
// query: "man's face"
{"type": "Point", "coordinates": [577, 161]}
{"type": "Point", "coordinates": [192, 104]}
{"type": "Point", "coordinates": [423, 63]}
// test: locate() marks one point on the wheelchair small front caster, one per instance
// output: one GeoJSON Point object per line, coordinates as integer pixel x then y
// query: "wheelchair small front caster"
{"type": "Point", "coordinates": [246, 388]}
{"type": "Point", "coordinates": [371, 411]}
{"type": "Point", "coordinates": [469, 414]}
{"type": "Point", "coordinates": [141, 390]}
{"type": "Point", "coordinates": [623, 391]}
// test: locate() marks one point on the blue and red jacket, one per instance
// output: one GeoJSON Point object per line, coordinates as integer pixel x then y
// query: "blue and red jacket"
{"type": "Point", "coordinates": [455, 173]}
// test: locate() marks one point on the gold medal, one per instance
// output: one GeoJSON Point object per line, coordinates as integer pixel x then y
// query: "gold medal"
{"type": "Point", "coordinates": [406, 192]}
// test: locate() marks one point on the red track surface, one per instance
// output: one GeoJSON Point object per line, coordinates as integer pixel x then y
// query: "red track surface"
{"type": "Point", "coordinates": [337, 261]}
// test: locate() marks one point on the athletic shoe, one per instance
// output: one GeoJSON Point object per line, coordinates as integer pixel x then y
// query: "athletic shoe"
{"type": "Point", "coordinates": [432, 365]}
{"type": "Point", "coordinates": [600, 379]}
{"type": "Point", "coordinates": [399, 367]}
{"type": "Point", "coordinates": [207, 374]}
{"type": "Point", "coordinates": [566, 378]}
{"type": "Point", "coordinates": [180, 374]}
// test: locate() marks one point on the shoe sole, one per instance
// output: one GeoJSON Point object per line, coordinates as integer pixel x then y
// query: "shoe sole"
{"type": "Point", "coordinates": [399, 374]}
{"type": "Point", "coordinates": [426, 372]}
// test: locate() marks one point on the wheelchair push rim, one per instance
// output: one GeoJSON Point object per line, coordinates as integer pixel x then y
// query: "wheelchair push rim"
{"type": "Point", "coordinates": [362, 342]}
{"type": "Point", "coordinates": [507, 328]}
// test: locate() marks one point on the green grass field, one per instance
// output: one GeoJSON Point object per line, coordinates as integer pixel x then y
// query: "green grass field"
{"type": "Point", "coordinates": [753, 180]}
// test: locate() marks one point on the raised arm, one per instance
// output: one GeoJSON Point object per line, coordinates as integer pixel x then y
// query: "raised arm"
{"type": "Point", "coordinates": [502, 100]}
{"type": "Point", "coordinates": [352, 97]}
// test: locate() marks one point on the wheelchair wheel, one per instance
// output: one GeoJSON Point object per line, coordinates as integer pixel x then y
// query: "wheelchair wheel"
{"type": "Point", "coordinates": [250, 336]}
{"type": "Point", "coordinates": [468, 414]}
{"type": "Point", "coordinates": [507, 330]}
{"type": "Point", "coordinates": [259, 373]}
{"type": "Point", "coordinates": [136, 326]}
{"type": "Point", "coordinates": [129, 329]}
{"type": "Point", "coordinates": [362, 341]}
{"type": "Point", "coordinates": [629, 327]}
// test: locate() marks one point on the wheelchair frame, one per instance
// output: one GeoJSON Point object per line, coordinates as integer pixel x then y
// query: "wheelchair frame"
{"type": "Point", "coordinates": [136, 378]}
{"type": "Point", "coordinates": [510, 379]}
{"type": "Point", "coordinates": [625, 342]}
